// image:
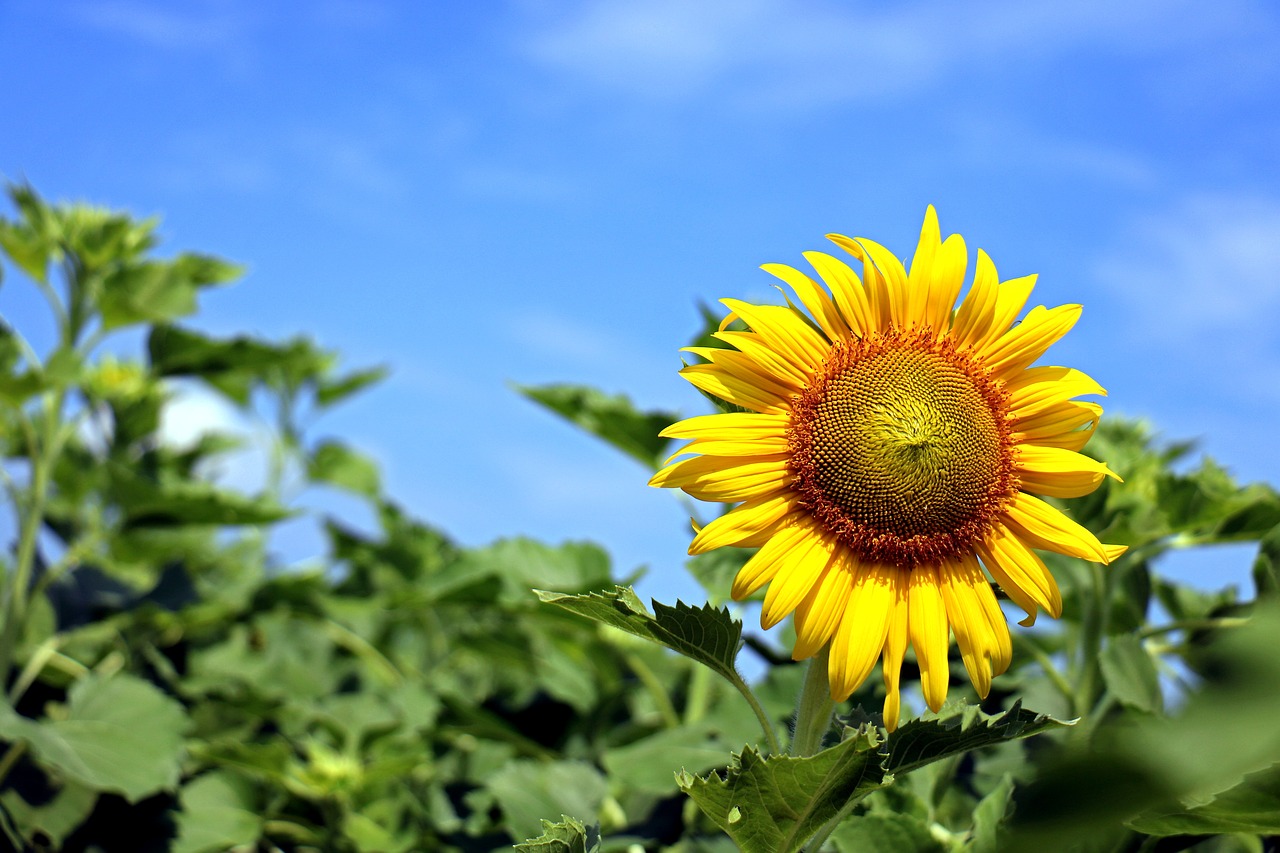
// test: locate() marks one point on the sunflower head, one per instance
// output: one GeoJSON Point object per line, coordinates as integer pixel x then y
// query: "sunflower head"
{"type": "Point", "coordinates": [891, 446]}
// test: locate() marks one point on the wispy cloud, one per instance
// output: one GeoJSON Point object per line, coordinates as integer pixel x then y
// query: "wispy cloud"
{"type": "Point", "coordinates": [184, 27]}
{"type": "Point", "coordinates": [773, 52]}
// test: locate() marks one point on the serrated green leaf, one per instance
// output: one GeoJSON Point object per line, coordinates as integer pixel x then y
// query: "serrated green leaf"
{"type": "Point", "coordinates": [567, 836]}
{"type": "Point", "coordinates": [334, 463]}
{"type": "Point", "coordinates": [613, 418]}
{"type": "Point", "coordinates": [704, 634]}
{"type": "Point", "coordinates": [120, 734]}
{"type": "Point", "coordinates": [1130, 673]}
{"type": "Point", "coordinates": [775, 804]}
{"type": "Point", "coordinates": [527, 790]}
{"type": "Point", "coordinates": [880, 833]}
{"type": "Point", "coordinates": [957, 729]}
{"type": "Point", "coordinates": [1253, 806]}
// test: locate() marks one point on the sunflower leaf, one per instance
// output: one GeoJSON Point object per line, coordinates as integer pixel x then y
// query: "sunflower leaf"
{"type": "Point", "coordinates": [611, 417]}
{"type": "Point", "coordinates": [1252, 806]}
{"type": "Point", "coordinates": [567, 836]}
{"type": "Point", "coordinates": [957, 729]}
{"type": "Point", "coordinates": [777, 803]}
{"type": "Point", "coordinates": [705, 634]}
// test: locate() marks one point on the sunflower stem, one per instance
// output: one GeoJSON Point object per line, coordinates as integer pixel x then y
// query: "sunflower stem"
{"type": "Point", "coordinates": [813, 712]}
{"type": "Point", "coordinates": [775, 748]}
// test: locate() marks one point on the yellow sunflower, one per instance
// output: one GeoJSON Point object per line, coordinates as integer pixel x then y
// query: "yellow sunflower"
{"type": "Point", "coordinates": [890, 448]}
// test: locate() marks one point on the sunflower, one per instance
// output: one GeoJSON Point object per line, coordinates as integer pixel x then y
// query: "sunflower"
{"type": "Point", "coordinates": [887, 448]}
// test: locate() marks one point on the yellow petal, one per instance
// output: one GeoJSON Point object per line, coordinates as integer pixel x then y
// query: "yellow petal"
{"type": "Point", "coordinates": [1041, 526]}
{"type": "Point", "coordinates": [1011, 296]}
{"type": "Point", "coordinates": [796, 577]}
{"type": "Point", "coordinates": [882, 276]}
{"type": "Point", "coordinates": [1027, 341]}
{"type": "Point", "coordinates": [1021, 574]}
{"type": "Point", "coordinates": [980, 648]}
{"type": "Point", "coordinates": [729, 425]}
{"type": "Point", "coordinates": [895, 646]}
{"type": "Point", "coordinates": [818, 616]}
{"type": "Point", "coordinates": [727, 478]}
{"type": "Point", "coordinates": [1038, 389]}
{"type": "Point", "coordinates": [1059, 473]}
{"type": "Point", "coordinates": [973, 317]}
{"type": "Point", "coordinates": [814, 298]}
{"type": "Point", "coordinates": [1068, 425]}
{"type": "Point", "coordinates": [739, 385]}
{"type": "Point", "coordinates": [850, 296]}
{"type": "Point", "coordinates": [860, 637]}
{"type": "Point", "coordinates": [785, 331]}
{"type": "Point", "coordinates": [774, 362]}
{"type": "Point", "coordinates": [764, 564]}
{"type": "Point", "coordinates": [743, 522]}
{"type": "Point", "coordinates": [929, 635]}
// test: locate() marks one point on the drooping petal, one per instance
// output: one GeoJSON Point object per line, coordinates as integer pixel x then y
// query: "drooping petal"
{"type": "Point", "coordinates": [1021, 574]}
{"type": "Point", "coordinates": [860, 637]}
{"type": "Point", "coordinates": [798, 574]}
{"type": "Point", "coordinates": [895, 645]}
{"type": "Point", "coordinates": [784, 330]}
{"type": "Point", "coordinates": [983, 639]}
{"type": "Point", "coordinates": [929, 633]}
{"type": "Point", "coordinates": [1068, 425]}
{"type": "Point", "coordinates": [818, 616]}
{"type": "Point", "coordinates": [765, 563]}
{"type": "Point", "coordinates": [728, 425]}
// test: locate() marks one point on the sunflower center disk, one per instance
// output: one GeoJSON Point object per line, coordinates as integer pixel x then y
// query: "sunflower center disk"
{"type": "Point", "coordinates": [901, 451]}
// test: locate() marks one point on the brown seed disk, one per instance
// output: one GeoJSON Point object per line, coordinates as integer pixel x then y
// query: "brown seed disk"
{"type": "Point", "coordinates": [901, 448]}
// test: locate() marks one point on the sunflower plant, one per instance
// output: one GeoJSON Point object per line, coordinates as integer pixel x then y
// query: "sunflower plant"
{"type": "Point", "coordinates": [898, 469]}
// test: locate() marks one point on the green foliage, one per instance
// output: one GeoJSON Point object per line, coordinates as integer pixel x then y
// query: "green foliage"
{"type": "Point", "coordinates": [171, 685]}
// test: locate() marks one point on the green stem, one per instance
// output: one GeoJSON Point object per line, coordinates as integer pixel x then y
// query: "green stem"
{"type": "Point", "coordinates": [1046, 664]}
{"type": "Point", "coordinates": [1094, 629]}
{"type": "Point", "coordinates": [765, 724]}
{"type": "Point", "coordinates": [657, 691]}
{"type": "Point", "coordinates": [1192, 625]}
{"type": "Point", "coordinates": [813, 712]}
{"type": "Point", "coordinates": [10, 758]}
{"type": "Point", "coordinates": [699, 698]}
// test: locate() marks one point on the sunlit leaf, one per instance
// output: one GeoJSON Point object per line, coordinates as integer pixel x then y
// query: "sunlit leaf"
{"type": "Point", "coordinates": [775, 804]}
{"type": "Point", "coordinates": [567, 836]}
{"type": "Point", "coordinates": [613, 418]}
{"type": "Point", "coordinates": [705, 634]}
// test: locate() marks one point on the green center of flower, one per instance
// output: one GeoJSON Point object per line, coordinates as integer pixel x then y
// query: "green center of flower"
{"type": "Point", "coordinates": [901, 449]}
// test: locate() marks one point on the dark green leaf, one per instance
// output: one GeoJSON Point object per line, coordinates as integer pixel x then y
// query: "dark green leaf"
{"type": "Point", "coordinates": [329, 393]}
{"type": "Point", "coordinates": [707, 635]}
{"type": "Point", "coordinates": [567, 836]}
{"type": "Point", "coordinates": [775, 804]}
{"type": "Point", "coordinates": [957, 729]}
{"type": "Point", "coordinates": [528, 790]}
{"type": "Point", "coordinates": [1266, 568]}
{"type": "Point", "coordinates": [613, 418]}
{"type": "Point", "coordinates": [1253, 806]}
{"type": "Point", "coordinates": [879, 833]}
{"type": "Point", "coordinates": [988, 818]}
{"type": "Point", "coordinates": [1130, 673]}
{"type": "Point", "coordinates": [334, 463]}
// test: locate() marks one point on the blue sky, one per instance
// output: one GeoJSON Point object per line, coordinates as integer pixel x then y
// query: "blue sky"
{"type": "Point", "coordinates": [477, 193]}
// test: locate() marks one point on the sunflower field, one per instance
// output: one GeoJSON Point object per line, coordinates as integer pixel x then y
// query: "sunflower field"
{"type": "Point", "coordinates": [171, 686]}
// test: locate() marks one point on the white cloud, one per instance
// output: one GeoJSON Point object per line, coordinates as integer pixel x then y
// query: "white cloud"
{"type": "Point", "coordinates": [194, 412]}
{"type": "Point", "coordinates": [198, 26]}
{"type": "Point", "coordinates": [779, 53]}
